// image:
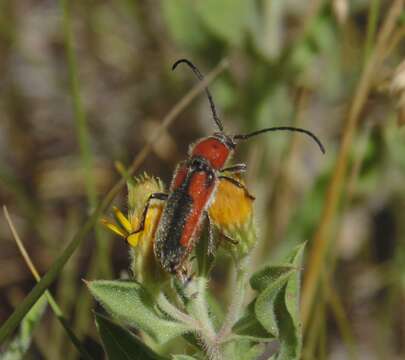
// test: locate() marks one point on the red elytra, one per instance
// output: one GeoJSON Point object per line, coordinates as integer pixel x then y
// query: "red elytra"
{"type": "Point", "coordinates": [193, 187]}
{"type": "Point", "coordinates": [200, 195]}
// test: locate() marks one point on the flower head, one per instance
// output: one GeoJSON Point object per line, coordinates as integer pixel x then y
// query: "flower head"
{"type": "Point", "coordinates": [232, 214]}
{"type": "Point", "coordinates": [144, 266]}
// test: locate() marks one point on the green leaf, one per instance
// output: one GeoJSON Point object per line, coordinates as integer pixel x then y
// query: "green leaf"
{"type": "Point", "coordinates": [121, 344]}
{"type": "Point", "coordinates": [265, 303]}
{"type": "Point", "coordinates": [182, 357]}
{"type": "Point", "coordinates": [253, 352]}
{"type": "Point", "coordinates": [227, 19]}
{"type": "Point", "coordinates": [276, 306]}
{"type": "Point", "coordinates": [268, 275]}
{"type": "Point", "coordinates": [130, 302]}
{"type": "Point", "coordinates": [248, 327]}
{"type": "Point", "coordinates": [287, 306]}
{"type": "Point", "coordinates": [21, 343]}
{"type": "Point", "coordinates": [193, 340]}
{"type": "Point", "coordinates": [243, 349]}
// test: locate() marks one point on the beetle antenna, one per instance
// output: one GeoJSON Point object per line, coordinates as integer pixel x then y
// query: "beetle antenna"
{"type": "Point", "coordinates": [201, 77]}
{"type": "Point", "coordinates": [288, 128]}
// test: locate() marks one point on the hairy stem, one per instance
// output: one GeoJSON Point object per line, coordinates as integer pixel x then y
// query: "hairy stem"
{"type": "Point", "coordinates": [198, 308]}
{"type": "Point", "coordinates": [166, 306]}
{"type": "Point", "coordinates": [236, 304]}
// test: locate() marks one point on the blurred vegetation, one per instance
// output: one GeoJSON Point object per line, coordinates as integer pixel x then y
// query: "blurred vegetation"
{"type": "Point", "coordinates": [84, 84]}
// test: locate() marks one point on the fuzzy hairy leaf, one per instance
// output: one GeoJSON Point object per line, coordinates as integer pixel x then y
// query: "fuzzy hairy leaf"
{"type": "Point", "coordinates": [265, 304]}
{"type": "Point", "coordinates": [287, 305]}
{"type": "Point", "coordinates": [21, 343]}
{"type": "Point", "coordinates": [276, 307]}
{"type": "Point", "coordinates": [248, 327]}
{"type": "Point", "coordinates": [266, 276]}
{"type": "Point", "coordinates": [252, 353]}
{"type": "Point", "coordinates": [129, 302]}
{"type": "Point", "coordinates": [121, 344]}
{"type": "Point", "coordinates": [243, 349]}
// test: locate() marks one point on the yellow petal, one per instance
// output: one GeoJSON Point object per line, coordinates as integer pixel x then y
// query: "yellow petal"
{"type": "Point", "coordinates": [133, 239]}
{"type": "Point", "coordinates": [122, 219]}
{"type": "Point", "coordinates": [114, 228]}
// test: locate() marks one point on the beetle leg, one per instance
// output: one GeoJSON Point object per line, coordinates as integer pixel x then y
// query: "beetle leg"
{"type": "Point", "coordinates": [211, 242]}
{"type": "Point", "coordinates": [238, 184]}
{"type": "Point", "coordinates": [157, 196]}
{"type": "Point", "coordinates": [237, 168]}
{"type": "Point", "coordinates": [184, 274]}
{"type": "Point", "coordinates": [229, 239]}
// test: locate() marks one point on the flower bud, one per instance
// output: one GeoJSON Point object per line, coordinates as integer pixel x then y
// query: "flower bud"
{"type": "Point", "coordinates": [144, 266]}
{"type": "Point", "coordinates": [231, 212]}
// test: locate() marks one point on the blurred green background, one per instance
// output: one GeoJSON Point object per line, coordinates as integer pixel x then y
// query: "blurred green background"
{"type": "Point", "coordinates": [63, 124]}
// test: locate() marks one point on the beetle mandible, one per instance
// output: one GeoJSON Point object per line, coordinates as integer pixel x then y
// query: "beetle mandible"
{"type": "Point", "coordinates": [193, 188]}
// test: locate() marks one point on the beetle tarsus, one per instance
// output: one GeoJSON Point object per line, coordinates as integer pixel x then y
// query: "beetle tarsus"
{"type": "Point", "coordinates": [184, 274]}
{"type": "Point", "coordinates": [229, 239]}
{"type": "Point", "coordinates": [238, 184]}
{"type": "Point", "coordinates": [154, 196]}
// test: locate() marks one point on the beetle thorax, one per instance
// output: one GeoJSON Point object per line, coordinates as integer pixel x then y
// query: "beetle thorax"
{"type": "Point", "coordinates": [212, 149]}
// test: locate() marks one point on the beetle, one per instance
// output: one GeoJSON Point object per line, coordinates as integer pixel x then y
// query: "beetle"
{"type": "Point", "coordinates": [193, 188]}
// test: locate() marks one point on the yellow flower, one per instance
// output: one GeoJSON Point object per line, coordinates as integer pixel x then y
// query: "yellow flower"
{"type": "Point", "coordinates": [143, 265]}
{"type": "Point", "coordinates": [139, 191]}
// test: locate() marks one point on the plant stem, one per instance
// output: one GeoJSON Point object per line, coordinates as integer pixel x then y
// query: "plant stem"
{"type": "Point", "coordinates": [198, 309]}
{"type": "Point", "coordinates": [236, 303]}
{"type": "Point", "coordinates": [171, 310]}
{"type": "Point", "coordinates": [371, 27]}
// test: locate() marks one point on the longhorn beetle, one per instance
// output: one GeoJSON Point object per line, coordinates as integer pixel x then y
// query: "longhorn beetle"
{"type": "Point", "coordinates": [193, 188]}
